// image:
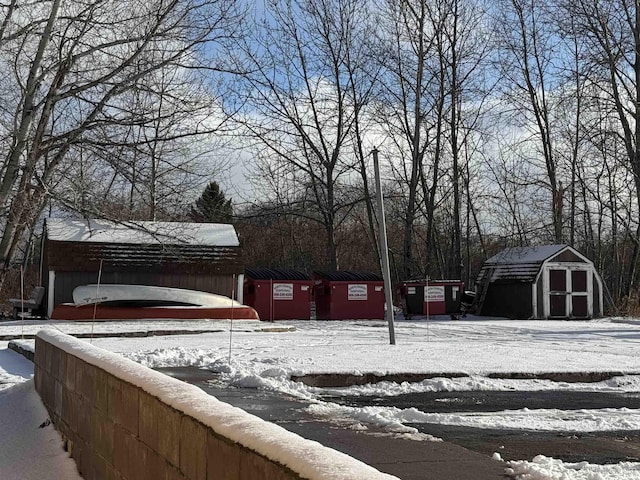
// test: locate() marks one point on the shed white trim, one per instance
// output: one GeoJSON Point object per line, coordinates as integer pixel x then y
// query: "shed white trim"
{"type": "Point", "coordinates": [569, 293]}
{"type": "Point", "coordinates": [51, 293]}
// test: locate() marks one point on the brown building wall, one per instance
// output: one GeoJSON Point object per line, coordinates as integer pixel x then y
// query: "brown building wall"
{"type": "Point", "coordinates": [116, 430]}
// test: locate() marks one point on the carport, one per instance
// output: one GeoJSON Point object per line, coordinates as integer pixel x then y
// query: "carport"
{"type": "Point", "coordinates": [196, 256]}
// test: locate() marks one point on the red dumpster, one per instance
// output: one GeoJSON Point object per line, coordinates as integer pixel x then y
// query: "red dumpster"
{"type": "Point", "coordinates": [278, 294]}
{"type": "Point", "coordinates": [432, 297]}
{"type": "Point", "coordinates": [348, 295]}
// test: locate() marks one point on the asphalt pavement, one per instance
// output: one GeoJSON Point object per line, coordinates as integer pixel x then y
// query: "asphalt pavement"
{"type": "Point", "coordinates": [468, 451]}
{"type": "Point", "coordinates": [406, 459]}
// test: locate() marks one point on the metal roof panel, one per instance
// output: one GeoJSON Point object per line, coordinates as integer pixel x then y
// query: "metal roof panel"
{"type": "Point", "coordinates": [142, 232]}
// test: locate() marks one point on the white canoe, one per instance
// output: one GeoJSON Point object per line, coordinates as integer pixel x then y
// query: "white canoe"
{"type": "Point", "coordinates": [147, 294]}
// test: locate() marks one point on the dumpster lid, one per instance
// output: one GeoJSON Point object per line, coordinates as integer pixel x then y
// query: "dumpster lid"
{"type": "Point", "coordinates": [274, 274]}
{"type": "Point", "coordinates": [348, 276]}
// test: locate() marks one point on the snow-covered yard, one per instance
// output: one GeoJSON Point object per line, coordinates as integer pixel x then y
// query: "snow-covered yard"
{"type": "Point", "coordinates": [251, 355]}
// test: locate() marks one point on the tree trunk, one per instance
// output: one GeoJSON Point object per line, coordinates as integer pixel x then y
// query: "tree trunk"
{"type": "Point", "coordinates": [416, 154]}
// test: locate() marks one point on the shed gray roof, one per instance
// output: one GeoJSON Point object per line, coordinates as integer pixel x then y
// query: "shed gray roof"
{"type": "Point", "coordinates": [519, 255]}
{"type": "Point", "coordinates": [519, 264]}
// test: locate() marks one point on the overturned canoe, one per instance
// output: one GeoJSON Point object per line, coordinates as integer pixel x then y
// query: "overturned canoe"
{"type": "Point", "coordinates": [129, 302]}
{"type": "Point", "coordinates": [148, 295]}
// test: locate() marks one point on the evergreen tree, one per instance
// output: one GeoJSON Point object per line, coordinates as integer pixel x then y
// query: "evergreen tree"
{"type": "Point", "coordinates": [212, 206]}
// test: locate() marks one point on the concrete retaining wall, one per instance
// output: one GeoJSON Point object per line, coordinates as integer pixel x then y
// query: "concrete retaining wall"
{"type": "Point", "coordinates": [123, 421]}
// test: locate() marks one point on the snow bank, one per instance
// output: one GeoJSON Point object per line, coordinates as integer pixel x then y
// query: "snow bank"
{"type": "Point", "coordinates": [308, 458]}
{"type": "Point", "coordinates": [546, 468]}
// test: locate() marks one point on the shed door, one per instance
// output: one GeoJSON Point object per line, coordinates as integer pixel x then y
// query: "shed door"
{"type": "Point", "coordinates": [569, 292]}
{"type": "Point", "coordinates": [558, 293]}
{"type": "Point", "coordinates": [579, 294]}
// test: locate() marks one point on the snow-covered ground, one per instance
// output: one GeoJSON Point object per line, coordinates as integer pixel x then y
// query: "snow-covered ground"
{"type": "Point", "coordinates": [249, 356]}
{"type": "Point", "coordinates": [30, 449]}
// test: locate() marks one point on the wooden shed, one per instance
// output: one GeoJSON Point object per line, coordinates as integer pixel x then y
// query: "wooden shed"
{"type": "Point", "coordinates": [195, 256]}
{"type": "Point", "coordinates": [545, 282]}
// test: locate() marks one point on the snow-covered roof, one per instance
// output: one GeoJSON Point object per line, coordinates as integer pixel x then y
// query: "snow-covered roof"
{"type": "Point", "coordinates": [526, 254]}
{"type": "Point", "coordinates": [522, 264]}
{"type": "Point", "coordinates": [143, 232]}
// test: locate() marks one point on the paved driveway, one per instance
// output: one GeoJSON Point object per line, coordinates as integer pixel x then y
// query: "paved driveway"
{"type": "Point", "coordinates": [467, 451]}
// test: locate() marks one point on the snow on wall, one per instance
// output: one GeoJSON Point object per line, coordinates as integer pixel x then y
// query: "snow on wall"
{"type": "Point", "coordinates": [308, 458]}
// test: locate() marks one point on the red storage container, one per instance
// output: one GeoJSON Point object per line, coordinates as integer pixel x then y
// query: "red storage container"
{"type": "Point", "coordinates": [348, 295]}
{"type": "Point", "coordinates": [432, 297]}
{"type": "Point", "coordinates": [278, 294]}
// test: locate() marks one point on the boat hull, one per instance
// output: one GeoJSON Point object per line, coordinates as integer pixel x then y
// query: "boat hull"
{"type": "Point", "coordinates": [147, 295]}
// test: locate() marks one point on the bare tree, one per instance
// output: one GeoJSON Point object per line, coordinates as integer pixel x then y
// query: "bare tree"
{"type": "Point", "coordinates": [529, 72]}
{"type": "Point", "coordinates": [611, 32]}
{"type": "Point", "coordinates": [301, 73]}
{"type": "Point", "coordinates": [405, 102]}
{"type": "Point", "coordinates": [68, 73]}
{"type": "Point", "coordinates": [431, 103]}
{"type": "Point", "coordinates": [463, 49]}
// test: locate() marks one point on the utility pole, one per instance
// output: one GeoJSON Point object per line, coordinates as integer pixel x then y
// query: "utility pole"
{"type": "Point", "coordinates": [384, 250]}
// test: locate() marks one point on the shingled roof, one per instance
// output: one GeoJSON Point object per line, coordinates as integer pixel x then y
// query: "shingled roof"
{"type": "Point", "coordinates": [526, 254]}
{"type": "Point", "coordinates": [519, 263]}
{"type": "Point", "coordinates": [171, 247]}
